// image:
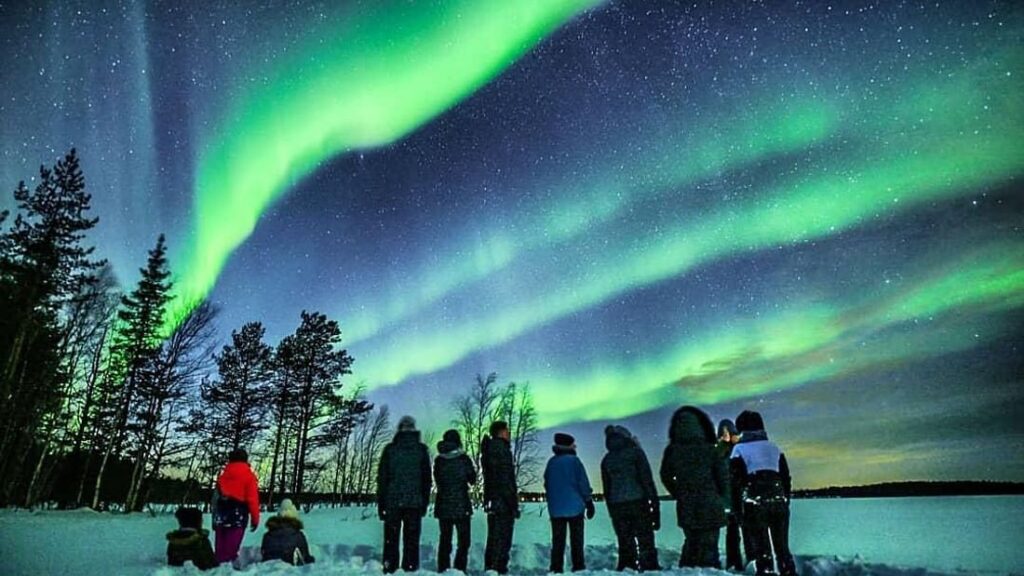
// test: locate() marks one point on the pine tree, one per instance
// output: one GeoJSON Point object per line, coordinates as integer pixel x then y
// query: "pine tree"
{"type": "Point", "coordinates": [238, 402]}
{"type": "Point", "coordinates": [315, 367]}
{"type": "Point", "coordinates": [44, 263]}
{"type": "Point", "coordinates": [135, 350]}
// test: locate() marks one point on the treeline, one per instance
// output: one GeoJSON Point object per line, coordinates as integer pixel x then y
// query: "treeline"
{"type": "Point", "coordinates": [101, 402]}
{"type": "Point", "coordinates": [916, 488]}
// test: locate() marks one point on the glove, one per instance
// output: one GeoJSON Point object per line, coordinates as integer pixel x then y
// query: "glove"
{"type": "Point", "coordinates": [591, 510]}
{"type": "Point", "coordinates": [253, 527]}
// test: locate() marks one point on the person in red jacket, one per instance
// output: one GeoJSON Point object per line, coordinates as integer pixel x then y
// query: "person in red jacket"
{"type": "Point", "coordinates": [236, 502]}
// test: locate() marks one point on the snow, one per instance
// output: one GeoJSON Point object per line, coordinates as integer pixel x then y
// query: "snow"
{"type": "Point", "coordinates": [882, 537]}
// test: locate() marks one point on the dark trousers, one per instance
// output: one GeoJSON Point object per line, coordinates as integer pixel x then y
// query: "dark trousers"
{"type": "Point", "coordinates": [767, 527]}
{"type": "Point", "coordinates": [700, 549]}
{"type": "Point", "coordinates": [499, 542]}
{"type": "Point", "coordinates": [635, 535]}
{"type": "Point", "coordinates": [444, 550]}
{"type": "Point", "coordinates": [733, 556]}
{"type": "Point", "coordinates": [574, 526]}
{"type": "Point", "coordinates": [405, 523]}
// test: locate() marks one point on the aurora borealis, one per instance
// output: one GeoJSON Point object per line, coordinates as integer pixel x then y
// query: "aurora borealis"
{"type": "Point", "coordinates": [810, 208]}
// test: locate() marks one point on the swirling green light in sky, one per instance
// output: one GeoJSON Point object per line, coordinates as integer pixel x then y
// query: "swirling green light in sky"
{"type": "Point", "coordinates": [389, 70]}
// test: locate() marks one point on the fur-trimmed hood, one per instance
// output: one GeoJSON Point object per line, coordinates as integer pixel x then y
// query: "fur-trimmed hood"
{"type": "Point", "coordinates": [186, 536]}
{"type": "Point", "coordinates": [691, 425]}
{"type": "Point", "coordinates": [278, 522]}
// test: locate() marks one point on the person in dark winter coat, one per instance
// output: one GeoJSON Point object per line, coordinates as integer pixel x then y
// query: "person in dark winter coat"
{"type": "Point", "coordinates": [284, 539]}
{"type": "Point", "coordinates": [632, 499]}
{"type": "Point", "coordinates": [236, 502]}
{"type": "Point", "coordinates": [761, 488]}
{"type": "Point", "coordinates": [454, 474]}
{"type": "Point", "coordinates": [728, 436]}
{"type": "Point", "coordinates": [501, 496]}
{"type": "Point", "coordinates": [190, 543]}
{"type": "Point", "coordinates": [698, 479]}
{"type": "Point", "coordinates": [403, 495]}
{"type": "Point", "coordinates": [569, 497]}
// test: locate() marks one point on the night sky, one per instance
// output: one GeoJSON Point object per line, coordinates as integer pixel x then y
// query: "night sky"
{"type": "Point", "coordinates": [812, 209]}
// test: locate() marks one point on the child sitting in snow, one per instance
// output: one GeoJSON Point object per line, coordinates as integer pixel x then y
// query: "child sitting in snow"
{"type": "Point", "coordinates": [284, 539]}
{"type": "Point", "coordinates": [190, 542]}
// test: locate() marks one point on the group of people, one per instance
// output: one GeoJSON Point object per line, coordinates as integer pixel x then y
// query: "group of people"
{"type": "Point", "coordinates": [737, 479]}
{"type": "Point", "coordinates": [236, 506]}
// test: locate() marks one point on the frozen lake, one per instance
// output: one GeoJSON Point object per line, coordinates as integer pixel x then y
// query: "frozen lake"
{"type": "Point", "coordinates": [976, 534]}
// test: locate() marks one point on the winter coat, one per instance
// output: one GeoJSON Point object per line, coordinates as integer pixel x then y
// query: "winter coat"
{"type": "Point", "coordinates": [501, 495]}
{"type": "Point", "coordinates": [566, 484]}
{"type": "Point", "coordinates": [693, 472]}
{"type": "Point", "coordinates": [760, 473]}
{"type": "Point", "coordinates": [625, 471]}
{"type": "Point", "coordinates": [284, 540]}
{"type": "Point", "coordinates": [237, 496]}
{"type": "Point", "coordinates": [454, 473]}
{"type": "Point", "coordinates": [403, 474]}
{"type": "Point", "coordinates": [190, 545]}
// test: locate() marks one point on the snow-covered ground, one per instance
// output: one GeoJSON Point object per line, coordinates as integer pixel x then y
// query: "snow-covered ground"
{"type": "Point", "coordinates": [887, 537]}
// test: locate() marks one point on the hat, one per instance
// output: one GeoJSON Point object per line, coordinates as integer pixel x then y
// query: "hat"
{"type": "Point", "coordinates": [748, 421]}
{"type": "Point", "coordinates": [727, 424]}
{"type": "Point", "coordinates": [238, 455]}
{"type": "Point", "coordinates": [498, 426]}
{"type": "Point", "coordinates": [407, 424]}
{"type": "Point", "coordinates": [287, 509]}
{"type": "Point", "coordinates": [189, 517]}
{"type": "Point", "coordinates": [563, 439]}
{"type": "Point", "coordinates": [452, 436]}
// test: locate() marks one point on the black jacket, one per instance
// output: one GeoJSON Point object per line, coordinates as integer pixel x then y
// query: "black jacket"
{"type": "Point", "coordinates": [188, 545]}
{"type": "Point", "coordinates": [501, 495]}
{"type": "Point", "coordinates": [693, 471]}
{"type": "Point", "coordinates": [454, 473]}
{"type": "Point", "coordinates": [283, 539]}
{"type": "Point", "coordinates": [625, 471]}
{"type": "Point", "coordinates": [403, 474]}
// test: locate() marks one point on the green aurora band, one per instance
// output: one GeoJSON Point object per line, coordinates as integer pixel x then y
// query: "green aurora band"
{"type": "Point", "coordinates": [391, 69]}
{"type": "Point", "coordinates": [937, 139]}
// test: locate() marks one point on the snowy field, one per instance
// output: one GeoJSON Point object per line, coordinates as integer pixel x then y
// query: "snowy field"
{"type": "Point", "coordinates": [887, 537]}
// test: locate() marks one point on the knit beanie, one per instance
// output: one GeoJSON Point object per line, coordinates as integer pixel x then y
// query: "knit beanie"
{"type": "Point", "coordinates": [749, 421]}
{"type": "Point", "coordinates": [407, 424]}
{"type": "Point", "coordinates": [287, 509]}
{"type": "Point", "coordinates": [563, 439]}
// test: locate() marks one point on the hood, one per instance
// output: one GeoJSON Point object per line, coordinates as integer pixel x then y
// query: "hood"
{"type": "Point", "coordinates": [691, 425]}
{"type": "Point", "coordinates": [186, 536]}
{"type": "Point", "coordinates": [491, 443]}
{"type": "Point", "coordinates": [407, 437]}
{"type": "Point", "coordinates": [277, 522]}
{"type": "Point", "coordinates": [446, 449]}
{"type": "Point", "coordinates": [618, 438]}
{"type": "Point", "coordinates": [753, 436]}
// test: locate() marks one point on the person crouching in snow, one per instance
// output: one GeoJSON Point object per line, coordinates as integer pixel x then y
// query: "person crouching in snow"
{"type": "Point", "coordinates": [190, 543]}
{"type": "Point", "coordinates": [453, 474]}
{"type": "Point", "coordinates": [761, 487]}
{"type": "Point", "coordinates": [569, 495]}
{"type": "Point", "coordinates": [284, 539]}
{"type": "Point", "coordinates": [236, 501]}
{"type": "Point", "coordinates": [632, 499]}
{"type": "Point", "coordinates": [698, 479]}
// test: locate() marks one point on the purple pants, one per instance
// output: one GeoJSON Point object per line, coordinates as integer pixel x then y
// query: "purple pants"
{"type": "Point", "coordinates": [229, 540]}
